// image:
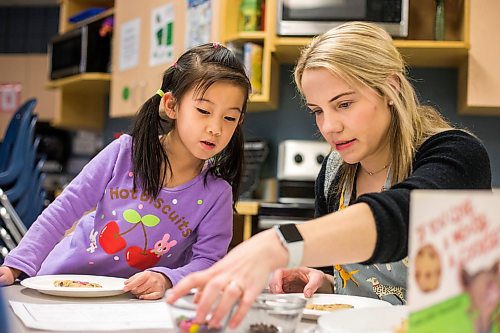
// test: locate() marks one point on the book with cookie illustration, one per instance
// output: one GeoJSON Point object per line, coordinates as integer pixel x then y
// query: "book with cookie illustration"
{"type": "Point", "coordinates": [454, 256]}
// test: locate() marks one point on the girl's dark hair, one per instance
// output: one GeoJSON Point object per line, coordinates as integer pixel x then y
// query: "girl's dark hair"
{"type": "Point", "coordinates": [199, 67]}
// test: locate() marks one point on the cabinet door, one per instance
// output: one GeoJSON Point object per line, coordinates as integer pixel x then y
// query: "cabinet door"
{"type": "Point", "coordinates": [148, 37]}
{"type": "Point", "coordinates": [483, 72]}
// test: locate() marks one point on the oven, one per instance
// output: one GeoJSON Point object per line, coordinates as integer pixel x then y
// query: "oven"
{"type": "Point", "coordinates": [299, 162]}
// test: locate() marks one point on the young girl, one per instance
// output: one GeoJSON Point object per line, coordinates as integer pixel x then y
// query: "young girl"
{"type": "Point", "coordinates": [163, 196]}
{"type": "Point", "coordinates": [354, 82]}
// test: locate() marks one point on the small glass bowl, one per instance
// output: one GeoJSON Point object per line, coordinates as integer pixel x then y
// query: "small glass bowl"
{"type": "Point", "coordinates": [274, 314]}
{"type": "Point", "coordinates": [183, 312]}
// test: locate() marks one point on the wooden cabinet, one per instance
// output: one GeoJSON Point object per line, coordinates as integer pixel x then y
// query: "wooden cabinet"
{"type": "Point", "coordinates": [247, 209]}
{"type": "Point", "coordinates": [480, 75]}
{"type": "Point", "coordinates": [229, 32]}
{"type": "Point", "coordinates": [419, 49]}
{"type": "Point", "coordinates": [82, 99]}
{"type": "Point", "coordinates": [132, 85]}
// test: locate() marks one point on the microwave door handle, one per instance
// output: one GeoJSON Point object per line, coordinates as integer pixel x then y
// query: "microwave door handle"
{"type": "Point", "coordinates": [84, 51]}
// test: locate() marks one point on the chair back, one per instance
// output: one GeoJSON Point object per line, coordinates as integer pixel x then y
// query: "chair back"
{"type": "Point", "coordinates": [10, 219]}
{"type": "Point", "coordinates": [12, 132]}
{"type": "Point", "coordinates": [15, 155]}
{"type": "Point", "coordinates": [22, 184]}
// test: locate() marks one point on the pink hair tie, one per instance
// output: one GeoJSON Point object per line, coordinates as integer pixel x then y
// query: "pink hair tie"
{"type": "Point", "coordinates": [174, 65]}
{"type": "Point", "coordinates": [216, 45]}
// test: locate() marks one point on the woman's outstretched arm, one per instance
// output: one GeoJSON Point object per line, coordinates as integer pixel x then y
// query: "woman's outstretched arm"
{"type": "Point", "coordinates": [343, 237]}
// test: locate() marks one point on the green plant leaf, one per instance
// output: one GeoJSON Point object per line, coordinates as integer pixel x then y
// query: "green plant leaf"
{"type": "Point", "coordinates": [150, 220]}
{"type": "Point", "coordinates": [131, 216]}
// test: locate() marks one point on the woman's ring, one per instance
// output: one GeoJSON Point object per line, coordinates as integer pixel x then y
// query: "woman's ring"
{"type": "Point", "coordinates": [237, 285]}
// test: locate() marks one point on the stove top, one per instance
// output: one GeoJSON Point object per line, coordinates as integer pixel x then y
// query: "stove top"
{"type": "Point", "coordinates": [298, 210]}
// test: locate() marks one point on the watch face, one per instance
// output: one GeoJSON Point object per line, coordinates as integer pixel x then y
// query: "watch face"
{"type": "Point", "coordinates": [291, 233]}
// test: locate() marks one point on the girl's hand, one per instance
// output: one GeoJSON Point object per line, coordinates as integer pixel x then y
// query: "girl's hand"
{"type": "Point", "coordinates": [8, 275]}
{"type": "Point", "coordinates": [148, 285]}
{"type": "Point", "coordinates": [302, 279]}
{"type": "Point", "coordinates": [238, 278]}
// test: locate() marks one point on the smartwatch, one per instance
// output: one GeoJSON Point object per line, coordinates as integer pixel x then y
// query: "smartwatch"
{"type": "Point", "coordinates": [292, 241]}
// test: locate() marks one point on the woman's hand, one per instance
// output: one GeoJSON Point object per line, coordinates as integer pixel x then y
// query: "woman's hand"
{"type": "Point", "coordinates": [148, 285]}
{"type": "Point", "coordinates": [238, 278]}
{"type": "Point", "coordinates": [8, 275]}
{"type": "Point", "coordinates": [302, 279]}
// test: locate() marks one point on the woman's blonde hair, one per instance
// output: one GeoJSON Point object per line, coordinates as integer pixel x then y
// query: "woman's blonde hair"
{"type": "Point", "coordinates": [363, 53]}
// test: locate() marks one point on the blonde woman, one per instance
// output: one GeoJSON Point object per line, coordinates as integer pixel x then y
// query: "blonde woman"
{"type": "Point", "coordinates": [385, 144]}
{"type": "Point", "coordinates": [359, 63]}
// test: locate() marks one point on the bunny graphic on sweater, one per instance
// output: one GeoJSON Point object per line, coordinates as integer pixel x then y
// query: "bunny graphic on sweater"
{"type": "Point", "coordinates": [93, 241]}
{"type": "Point", "coordinates": [163, 246]}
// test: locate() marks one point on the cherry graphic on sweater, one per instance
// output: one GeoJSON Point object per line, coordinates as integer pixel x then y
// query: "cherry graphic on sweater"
{"type": "Point", "coordinates": [135, 256]}
{"type": "Point", "coordinates": [111, 240]}
{"type": "Point", "coordinates": [138, 258]}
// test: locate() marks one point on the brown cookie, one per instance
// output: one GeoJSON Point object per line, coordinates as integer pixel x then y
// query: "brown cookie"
{"type": "Point", "coordinates": [427, 268]}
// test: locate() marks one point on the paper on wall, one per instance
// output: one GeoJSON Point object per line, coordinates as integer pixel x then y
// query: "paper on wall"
{"type": "Point", "coordinates": [199, 22]}
{"type": "Point", "coordinates": [130, 38]}
{"type": "Point", "coordinates": [162, 35]}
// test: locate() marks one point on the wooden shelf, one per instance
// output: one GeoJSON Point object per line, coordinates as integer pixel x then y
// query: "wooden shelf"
{"type": "Point", "coordinates": [85, 81]}
{"type": "Point", "coordinates": [419, 53]}
{"type": "Point", "coordinates": [68, 8]}
{"type": "Point", "coordinates": [245, 36]}
{"type": "Point", "coordinates": [83, 100]}
{"type": "Point", "coordinates": [106, 13]}
{"type": "Point", "coordinates": [431, 53]}
{"type": "Point", "coordinates": [287, 49]}
{"type": "Point", "coordinates": [261, 103]}
{"type": "Point", "coordinates": [247, 207]}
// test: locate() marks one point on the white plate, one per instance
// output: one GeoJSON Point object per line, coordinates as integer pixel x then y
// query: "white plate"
{"type": "Point", "coordinates": [111, 286]}
{"type": "Point", "coordinates": [373, 320]}
{"type": "Point", "coordinates": [355, 301]}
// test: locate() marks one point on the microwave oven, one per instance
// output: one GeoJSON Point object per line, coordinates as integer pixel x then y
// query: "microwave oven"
{"type": "Point", "coordinates": [314, 17]}
{"type": "Point", "coordinates": [81, 50]}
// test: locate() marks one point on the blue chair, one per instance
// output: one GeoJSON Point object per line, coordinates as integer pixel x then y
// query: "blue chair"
{"type": "Point", "coordinates": [26, 208]}
{"type": "Point", "coordinates": [37, 203]}
{"type": "Point", "coordinates": [22, 184]}
{"type": "Point", "coordinates": [25, 201]}
{"type": "Point", "coordinates": [15, 158]}
{"type": "Point", "coordinates": [11, 221]}
{"type": "Point", "coordinates": [12, 133]}
{"type": "Point", "coordinates": [3, 247]}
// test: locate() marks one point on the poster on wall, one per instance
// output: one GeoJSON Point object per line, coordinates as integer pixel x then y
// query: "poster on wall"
{"type": "Point", "coordinates": [199, 22]}
{"type": "Point", "coordinates": [10, 97]}
{"type": "Point", "coordinates": [130, 39]}
{"type": "Point", "coordinates": [454, 252]}
{"type": "Point", "coordinates": [162, 35]}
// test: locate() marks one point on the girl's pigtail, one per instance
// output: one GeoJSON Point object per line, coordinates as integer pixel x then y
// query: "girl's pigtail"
{"type": "Point", "coordinates": [148, 154]}
{"type": "Point", "coordinates": [237, 159]}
